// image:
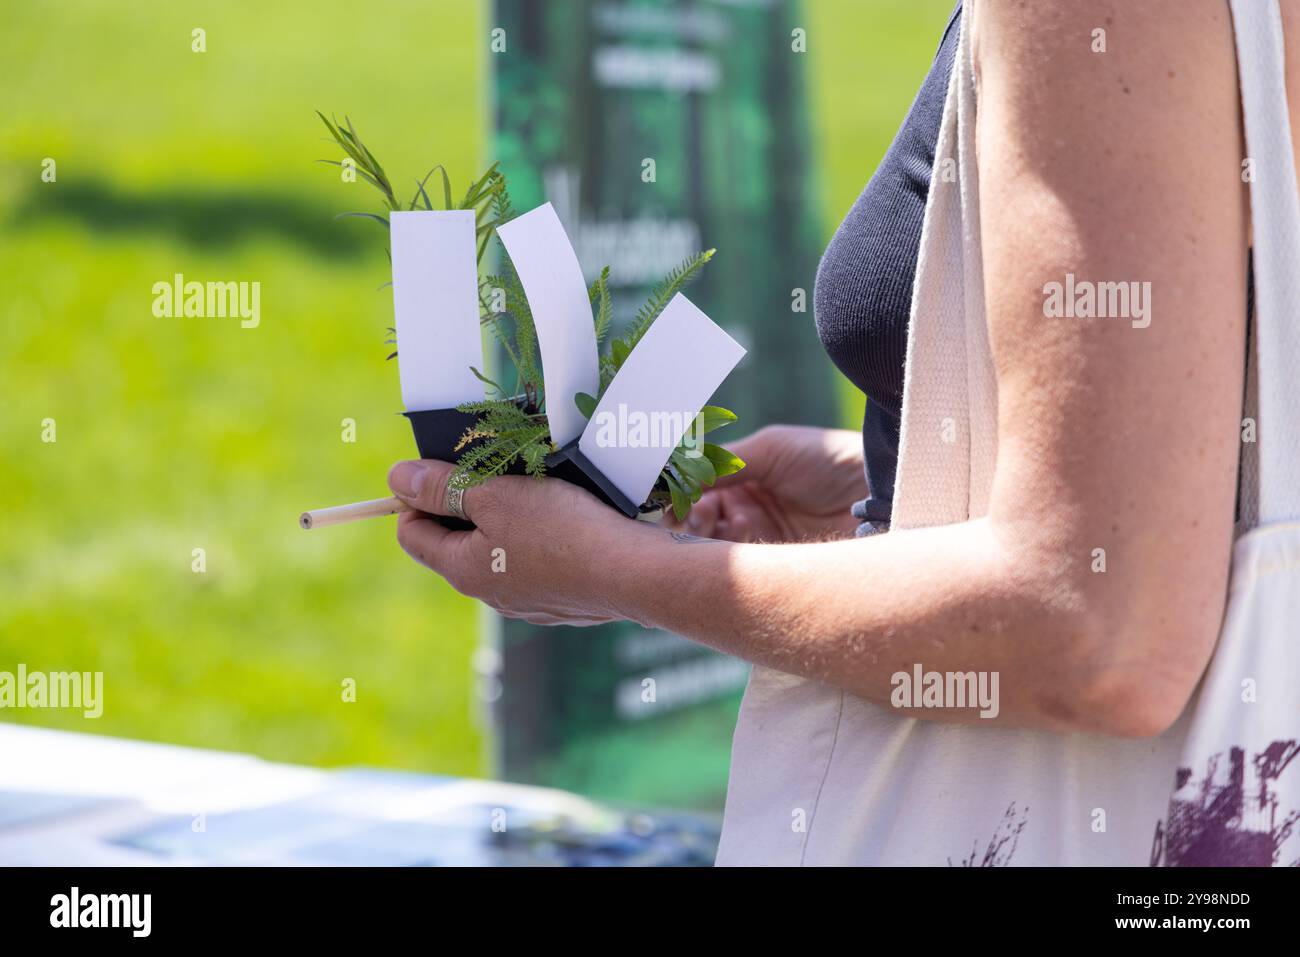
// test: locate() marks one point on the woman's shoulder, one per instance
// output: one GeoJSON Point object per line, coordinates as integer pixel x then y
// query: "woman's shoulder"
{"type": "Point", "coordinates": [1139, 78]}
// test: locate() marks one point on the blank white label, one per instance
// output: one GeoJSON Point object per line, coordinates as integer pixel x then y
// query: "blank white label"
{"type": "Point", "coordinates": [435, 301]}
{"type": "Point", "coordinates": [557, 296]}
{"type": "Point", "coordinates": [663, 384]}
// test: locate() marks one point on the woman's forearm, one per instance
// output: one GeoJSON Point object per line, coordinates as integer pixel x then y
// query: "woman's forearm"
{"type": "Point", "coordinates": [854, 613]}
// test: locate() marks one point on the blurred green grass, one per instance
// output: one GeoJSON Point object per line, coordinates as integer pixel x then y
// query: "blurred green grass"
{"type": "Point", "coordinates": [177, 434]}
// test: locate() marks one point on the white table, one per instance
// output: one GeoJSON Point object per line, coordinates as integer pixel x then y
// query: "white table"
{"type": "Point", "coordinates": [79, 799]}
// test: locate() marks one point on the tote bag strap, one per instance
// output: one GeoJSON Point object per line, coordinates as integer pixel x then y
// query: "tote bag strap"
{"type": "Point", "coordinates": [1275, 215]}
{"type": "Point", "coordinates": [934, 476]}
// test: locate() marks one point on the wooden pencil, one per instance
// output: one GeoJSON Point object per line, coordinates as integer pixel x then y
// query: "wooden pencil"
{"type": "Point", "coordinates": [339, 514]}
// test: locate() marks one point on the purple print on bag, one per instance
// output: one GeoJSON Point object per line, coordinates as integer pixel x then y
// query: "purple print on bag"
{"type": "Point", "coordinates": [1003, 843]}
{"type": "Point", "coordinates": [1231, 816]}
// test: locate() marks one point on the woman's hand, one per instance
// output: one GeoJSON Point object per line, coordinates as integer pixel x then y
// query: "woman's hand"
{"type": "Point", "coordinates": [541, 551]}
{"type": "Point", "coordinates": [797, 485]}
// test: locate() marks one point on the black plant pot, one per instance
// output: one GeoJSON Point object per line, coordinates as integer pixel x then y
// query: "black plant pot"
{"type": "Point", "coordinates": [439, 431]}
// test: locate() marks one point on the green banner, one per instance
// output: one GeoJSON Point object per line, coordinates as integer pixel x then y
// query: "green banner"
{"type": "Point", "coordinates": [658, 129]}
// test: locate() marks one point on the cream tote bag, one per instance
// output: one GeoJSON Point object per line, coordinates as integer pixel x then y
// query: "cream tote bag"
{"type": "Point", "coordinates": [821, 777]}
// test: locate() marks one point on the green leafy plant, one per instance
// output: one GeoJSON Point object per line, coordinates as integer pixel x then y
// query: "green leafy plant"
{"type": "Point", "coordinates": [512, 424]}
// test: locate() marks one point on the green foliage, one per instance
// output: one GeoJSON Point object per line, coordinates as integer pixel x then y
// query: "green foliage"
{"type": "Point", "coordinates": [724, 462]}
{"type": "Point", "coordinates": [486, 196]}
{"type": "Point", "coordinates": [662, 294]}
{"type": "Point", "coordinates": [599, 294]}
{"type": "Point", "coordinates": [715, 417]}
{"type": "Point", "coordinates": [687, 472]}
{"type": "Point", "coordinates": [367, 167]}
{"type": "Point", "coordinates": [521, 342]}
{"type": "Point", "coordinates": [512, 426]}
{"type": "Point", "coordinates": [690, 471]}
{"type": "Point", "coordinates": [505, 432]}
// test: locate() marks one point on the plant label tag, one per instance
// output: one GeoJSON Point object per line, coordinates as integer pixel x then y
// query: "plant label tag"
{"type": "Point", "coordinates": [557, 296]}
{"type": "Point", "coordinates": [670, 375]}
{"type": "Point", "coordinates": [435, 301]}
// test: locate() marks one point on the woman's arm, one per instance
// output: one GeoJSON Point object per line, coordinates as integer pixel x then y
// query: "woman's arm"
{"type": "Point", "coordinates": [1116, 166]}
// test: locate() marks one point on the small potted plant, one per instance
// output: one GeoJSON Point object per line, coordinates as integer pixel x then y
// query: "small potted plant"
{"type": "Point", "coordinates": [507, 432]}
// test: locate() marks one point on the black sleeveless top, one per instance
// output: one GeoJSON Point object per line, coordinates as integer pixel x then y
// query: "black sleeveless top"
{"type": "Point", "coordinates": [863, 295]}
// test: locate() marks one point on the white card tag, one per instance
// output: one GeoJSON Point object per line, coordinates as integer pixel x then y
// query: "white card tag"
{"type": "Point", "coordinates": [557, 295]}
{"type": "Point", "coordinates": [435, 301]}
{"type": "Point", "coordinates": [670, 375]}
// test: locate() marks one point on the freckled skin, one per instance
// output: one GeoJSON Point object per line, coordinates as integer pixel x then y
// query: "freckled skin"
{"type": "Point", "coordinates": [1121, 166]}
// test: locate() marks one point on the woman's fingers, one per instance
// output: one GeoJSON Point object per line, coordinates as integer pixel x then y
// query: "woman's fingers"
{"type": "Point", "coordinates": [462, 559]}
{"type": "Point", "coordinates": [426, 540]}
{"type": "Point", "coordinates": [733, 514]}
{"type": "Point", "coordinates": [508, 560]}
{"type": "Point", "coordinates": [703, 516]}
{"type": "Point", "coordinates": [423, 484]}
{"type": "Point", "coordinates": [753, 451]}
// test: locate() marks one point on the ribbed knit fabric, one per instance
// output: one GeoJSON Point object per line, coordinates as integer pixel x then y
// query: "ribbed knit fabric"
{"type": "Point", "coordinates": [863, 294]}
